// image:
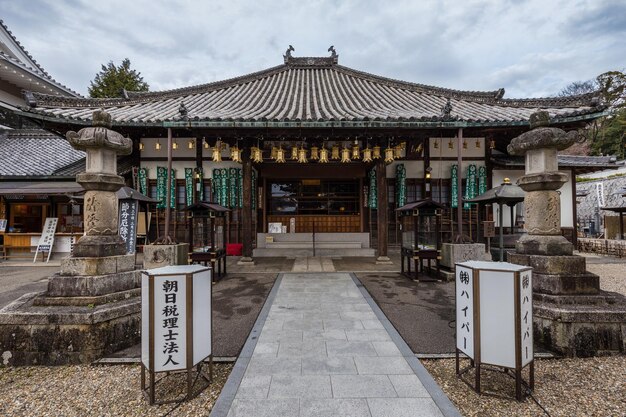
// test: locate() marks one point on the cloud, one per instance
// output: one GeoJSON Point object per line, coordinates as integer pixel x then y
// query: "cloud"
{"type": "Point", "coordinates": [529, 48]}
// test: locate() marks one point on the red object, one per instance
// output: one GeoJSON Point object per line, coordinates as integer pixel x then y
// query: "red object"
{"type": "Point", "coordinates": [234, 249]}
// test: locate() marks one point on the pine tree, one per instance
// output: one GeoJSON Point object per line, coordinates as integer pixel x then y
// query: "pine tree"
{"type": "Point", "coordinates": [112, 80]}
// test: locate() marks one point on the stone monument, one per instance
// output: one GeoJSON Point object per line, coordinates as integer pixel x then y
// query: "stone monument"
{"type": "Point", "coordinates": [92, 307]}
{"type": "Point", "coordinates": [572, 315]}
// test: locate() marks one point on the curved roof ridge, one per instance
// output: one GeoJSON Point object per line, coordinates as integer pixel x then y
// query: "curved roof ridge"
{"type": "Point", "coordinates": [586, 99]}
{"type": "Point", "coordinates": [428, 89]}
{"type": "Point", "coordinates": [39, 67]}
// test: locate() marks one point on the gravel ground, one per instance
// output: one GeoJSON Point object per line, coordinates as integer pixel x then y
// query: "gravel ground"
{"type": "Point", "coordinates": [564, 387]}
{"type": "Point", "coordinates": [612, 277]}
{"type": "Point", "coordinates": [94, 391]}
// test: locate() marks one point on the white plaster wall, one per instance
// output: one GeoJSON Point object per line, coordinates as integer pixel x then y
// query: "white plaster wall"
{"type": "Point", "coordinates": [414, 169]}
{"type": "Point", "coordinates": [567, 210]}
{"type": "Point", "coordinates": [444, 150]}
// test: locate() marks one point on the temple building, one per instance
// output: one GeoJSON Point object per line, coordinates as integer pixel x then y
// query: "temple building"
{"type": "Point", "coordinates": [310, 146]}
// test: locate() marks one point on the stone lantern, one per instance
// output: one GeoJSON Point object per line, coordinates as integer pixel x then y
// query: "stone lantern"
{"type": "Point", "coordinates": [573, 316]}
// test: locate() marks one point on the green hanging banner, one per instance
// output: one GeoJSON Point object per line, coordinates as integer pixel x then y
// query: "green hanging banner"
{"type": "Point", "coordinates": [189, 185]}
{"type": "Point", "coordinates": [254, 190]}
{"type": "Point", "coordinates": [217, 181]}
{"type": "Point", "coordinates": [373, 194]}
{"type": "Point", "coordinates": [224, 187]}
{"type": "Point", "coordinates": [143, 181]}
{"type": "Point", "coordinates": [400, 185]}
{"type": "Point", "coordinates": [240, 187]}
{"type": "Point", "coordinates": [470, 185]}
{"type": "Point", "coordinates": [233, 191]}
{"type": "Point", "coordinates": [201, 182]}
{"type": "Point", "coordinates": [482, 180]}
{"type": "Point", "coordinates": [454, 187]}
{"type": "Point", "coordinates": [162, 191]}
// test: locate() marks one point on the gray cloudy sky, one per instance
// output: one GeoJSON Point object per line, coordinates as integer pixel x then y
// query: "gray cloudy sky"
{"type": "Point", "coordinates": [531, 48]}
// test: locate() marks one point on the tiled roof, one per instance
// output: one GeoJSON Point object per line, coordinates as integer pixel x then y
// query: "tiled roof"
{"type": "Point", "coordinates": [312, 90]}
{"type": "Point", "coordinates": [35, 69]}
{"type": "Point", "coordinates": [34, 153]}
{"type": "Point", "coordinates": [580, 163]}
{"type": "Point", "coordinates": [124, 166]}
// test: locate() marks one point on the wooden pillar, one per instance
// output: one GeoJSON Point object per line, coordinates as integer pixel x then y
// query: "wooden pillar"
{"type": "Point", "coordinates": [383, 221]}
{"type": "Point", "coordinates": [246, 210]}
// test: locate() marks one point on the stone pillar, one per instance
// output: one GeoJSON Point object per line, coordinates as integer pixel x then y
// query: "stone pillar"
{"type": "Point", "coordinates": [573, 316]}
{"type": "Point", "coordinates": [382, 216]}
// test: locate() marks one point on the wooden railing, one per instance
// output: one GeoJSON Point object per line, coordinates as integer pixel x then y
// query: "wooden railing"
{"type": "Point", "coordinates": [607, 247]}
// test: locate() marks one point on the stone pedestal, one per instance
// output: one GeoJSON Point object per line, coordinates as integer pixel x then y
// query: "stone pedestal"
{"type": "Point", "coordinates": [157, 256]}
{"type": "Point", "coordinates": [573, 316]}
{"type": "Point", "coordinates": [93, 307]}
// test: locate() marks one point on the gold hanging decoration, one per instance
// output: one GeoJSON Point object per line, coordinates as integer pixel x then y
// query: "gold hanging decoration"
{"type": "Point", "coordinates": [464, 144]}
{"type": "Point", "coordinates": [256, 154]}
{"type": "Point", "coordinates": [345, 155]}
{"type": "Point", "coordinates": [436, 144]}
{"type": "Point", "coordinates": [294, 153]}
{"type": "Point", "coordinates": [367, 154]}
{"type": "Point", "coordinates": [141, 146]}
{"type": "Point", "coordinates": [397, 151]}
{"type": "Point", "coordinates": [492, 144]}
{"type": "Point", "coordinates": [302, 156]}
{"type": "Point", "coordinates": [280, 155]}
{"type": "Point", "coordinates": [323, 155]}
{"type": "Point", "coordinates": [157, 145]}
{"type": "Point", "coordinates": [216, 153]}
{"type": "Point", "coordinates": [235, 154]}
{"type": "Point", "coordinates": [376, 152]}
{"type": "Point", "coordinates": [206, 144]}
{"type": "Point", "coordinates": [478, 143]}
{"type": "Point", "coordinates": [450, 144]}
{"type": "Point", "coordinates": [314, 153]}
{"type": "Point", "coordinates": [273, 152]}
{"type": "Point", "coordinates": [334, 152]}
{"type": "Point", "coordinates": [175, 144]}
{"type": "Point", "coordinates": [356, 152]}
{"type": "Point", "coordinates": [191, 144]}
{"type": "Point", "coordinates": [389, 155]}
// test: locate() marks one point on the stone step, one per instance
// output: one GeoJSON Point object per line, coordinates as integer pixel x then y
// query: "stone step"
{"type": "Point", "coordinates": [295, 252]}
{"type": "Point", "coordinates": [309, 245]}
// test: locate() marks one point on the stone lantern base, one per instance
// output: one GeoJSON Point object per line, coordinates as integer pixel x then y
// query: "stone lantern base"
{"type": "Point", "coordinates": [91, 309]}
{"type": "Point", "coordinates": [572, 315]}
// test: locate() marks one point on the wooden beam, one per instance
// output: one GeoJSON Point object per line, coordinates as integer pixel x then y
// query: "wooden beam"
{"type": "Point", "coordinates": [246, 211]}
{"type": "Point", "coordinates": [383, 221]}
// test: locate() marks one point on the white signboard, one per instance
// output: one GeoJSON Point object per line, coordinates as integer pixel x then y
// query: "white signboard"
{"type": "Point", "coordinates": [3, 225]}
{"type": "Point", "coordinates": [600, 193]}
{"type": "Point", "coordinates": [171, 319]}
{"type": "Point", "coordinates": [526, 316]}
{"type": "Point", "coordinates": [46, 241]}
{"type": "Point", "coordinates": [497, 318]}
{"type": "Point", "coordinates": [465, 310]}
{"type": "Point", "coordinates": [275, 228]}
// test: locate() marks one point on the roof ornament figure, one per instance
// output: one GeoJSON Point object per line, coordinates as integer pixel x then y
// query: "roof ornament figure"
{"type": "Point", "coordinates": [287, 55]}
{"type": "Point", "coordinates": [182, 109]}
{"type": "Point", "coordinates": [446, 111]}
{"type": "Point", "coordinates": [333, 53]}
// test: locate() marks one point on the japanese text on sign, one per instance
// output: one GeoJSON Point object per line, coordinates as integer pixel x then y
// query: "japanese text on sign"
{"type": "Point", "coordinates": [465, 311]}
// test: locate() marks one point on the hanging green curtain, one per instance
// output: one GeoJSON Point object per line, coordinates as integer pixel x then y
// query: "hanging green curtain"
{"type": "Point", "coordinates": [373, 194]}
{"type": "Point", "coordinates": [470, 185]}
{"type": "Point", "coordinates": [224, 186]}
{"type": "Point", "coordinates": [254, 190]}
{"type": "Point", "coordinates": [454, 198]}
{"type": "Point", "coordinates": [233, 193]}
{"type": "Point", "coordinates": [400, 185]}
{"type": "Point", "coordinates": [240, 187]}
{"type": "Point", "coordinates": [161, 190]}
{"type": "Point", "coordinates": [143, 181]}
{"type": "Point", "coordinates": [201, 182]}
{"type": "Point", "coordinates": [189, 186]}
{"type": "Point", "coordinates": [172, 188]}
{"type": "Point", "coordinates": [482, 180]}
{"type": "Point", "coordinates": [217, 186]}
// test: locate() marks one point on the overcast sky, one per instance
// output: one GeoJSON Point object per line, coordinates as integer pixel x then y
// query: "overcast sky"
{"type": "Point", "coordinates": [531, 48]}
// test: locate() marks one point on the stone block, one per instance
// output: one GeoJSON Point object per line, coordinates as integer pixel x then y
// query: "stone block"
{"type": "Point", "coordinates": [99, 246]}
{"type": "Point", "coordinates": [73, 266]}
{"type": "Point", "coordinates": [92, 285]}
{"type": "Point", "coordinates": [451, 253]}
{"type": "Point", "coordinates": [565, 284]}
{"type": "Point", "coordinates": [551, 264]}
{"type": "Point", "coordinates": [544, 245]}
{"type": "Point", "coordinates": [157, 256]}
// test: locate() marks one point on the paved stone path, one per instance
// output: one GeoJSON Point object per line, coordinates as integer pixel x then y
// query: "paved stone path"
{"type": "Point", "coordinates": [326, 350]}
{"type": "Point", "coordinates": [313, 264]}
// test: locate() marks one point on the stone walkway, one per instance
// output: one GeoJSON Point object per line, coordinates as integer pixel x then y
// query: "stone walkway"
{"type": "Point", "coordinates": [321, 347]}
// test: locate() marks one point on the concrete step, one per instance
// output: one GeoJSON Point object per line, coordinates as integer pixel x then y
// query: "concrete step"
{"type": "Point", "coordinates": [296, 253]}
{"type": "Point", "coordinates": [309, 245]}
